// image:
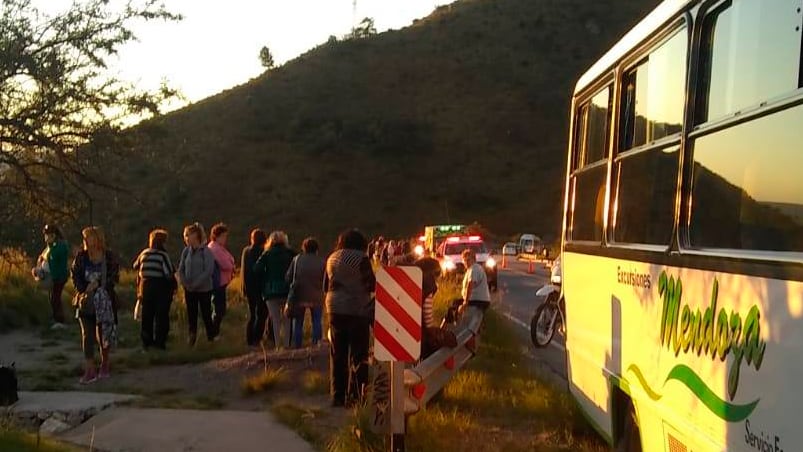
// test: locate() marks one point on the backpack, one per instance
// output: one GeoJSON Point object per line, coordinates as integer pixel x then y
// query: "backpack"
{"type": "Point", "coordinates": [8, 385]}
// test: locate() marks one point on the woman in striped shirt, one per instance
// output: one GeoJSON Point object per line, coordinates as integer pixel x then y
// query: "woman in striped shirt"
{"type": "Point", "coordinates": [156, 286]}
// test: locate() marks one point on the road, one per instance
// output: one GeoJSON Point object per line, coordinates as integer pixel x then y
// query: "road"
{"type": "Point", "coordinates": [517, 302]}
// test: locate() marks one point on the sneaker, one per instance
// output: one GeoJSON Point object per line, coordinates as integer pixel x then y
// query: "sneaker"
{"type": "Point", "coordinates": [58, 326]}
{"type": "Point", "coordinates": [104, 374]}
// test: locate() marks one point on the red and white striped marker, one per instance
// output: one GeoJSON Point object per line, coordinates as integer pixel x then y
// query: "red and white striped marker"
{"type": "Point", "coordinates": [397, 320]}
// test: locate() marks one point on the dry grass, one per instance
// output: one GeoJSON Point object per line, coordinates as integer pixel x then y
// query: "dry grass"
{"type": "Point", "coordinates": [265, 381]}
{"type": "Point", "coordinates": [315, 383]}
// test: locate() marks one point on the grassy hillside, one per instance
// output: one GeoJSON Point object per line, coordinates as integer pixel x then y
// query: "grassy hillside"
{"type": "Point", "coordinates": [461, 116]}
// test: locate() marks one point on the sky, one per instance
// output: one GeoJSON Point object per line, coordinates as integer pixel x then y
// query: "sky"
{"type": "Point", "coordinates": [217, 44]}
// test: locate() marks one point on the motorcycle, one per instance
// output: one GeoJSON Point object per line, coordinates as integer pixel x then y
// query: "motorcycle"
{"type": "Point", "coordinates": [549, 316]}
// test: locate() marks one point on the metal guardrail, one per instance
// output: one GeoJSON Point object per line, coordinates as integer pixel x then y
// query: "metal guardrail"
{"type": "Point", "coordinates": [400, 392]}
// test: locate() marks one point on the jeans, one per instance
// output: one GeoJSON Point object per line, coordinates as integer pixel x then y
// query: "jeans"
{"type": "Point", "coordinates": [194, 301]}
{"type": "Point", "coordinates": [297, 326]}
{"type": "Point", "coordinates": [55, 301]}
{"type": "Point", "coordinates": [219, 302]}
{"type": "Point", "coordinates": [348, 357]}
{"type": "Point", "coordinates": [276, 308]}
{"type": "Point", "coordinates": [157, 295]}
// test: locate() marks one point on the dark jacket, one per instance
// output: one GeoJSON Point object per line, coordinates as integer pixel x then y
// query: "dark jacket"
{"type": "Point", "coordinates": [78, 271]}
{"type": "Point", "coordinates": [349, 283]}
{"type": "Point", "coordinates": [271, 268]}
{"type": "Point", "coordinates": [307, 270]}
{"type": "Point", "coordinates": [251, 282]}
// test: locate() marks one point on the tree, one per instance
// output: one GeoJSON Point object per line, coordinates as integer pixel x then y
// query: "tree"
{"type": "Point", "coordinates": [59, 106]}
{"type": "Point", "coordinates": [365, 29]}
{"type": "Point", "coordinates": [266, 58]}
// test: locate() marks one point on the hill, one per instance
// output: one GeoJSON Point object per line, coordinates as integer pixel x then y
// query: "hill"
{"type": "Point", "coordinates": [460, 117]}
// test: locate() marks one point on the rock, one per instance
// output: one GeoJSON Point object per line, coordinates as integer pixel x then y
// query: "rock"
{"type": "Point", "coordinates": [53, 426]}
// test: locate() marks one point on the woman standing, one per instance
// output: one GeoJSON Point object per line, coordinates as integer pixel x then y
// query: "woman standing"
{"type": "Point", "coordinates": [55, 257]}
{"type": "Point", "coordinates": [195, 269]}
{"type": "Point", "coordinates": [225, 264]}
{"type": "Point", "coordinates": [349, 283]}
{"type": "Point", "coordinates": [95, 271]}
{"type": "Point", "coordinates": [156, 284]}
{"type": "Point", "coordinates": [252, 289]}
{"type": "Point", "coordinates": [306, 276]}
{"type": "Point", "coordinates": [271, 269]}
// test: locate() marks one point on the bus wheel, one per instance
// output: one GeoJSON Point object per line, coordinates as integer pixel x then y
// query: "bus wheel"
{"type": "Point", "coordinates": [630, 441]}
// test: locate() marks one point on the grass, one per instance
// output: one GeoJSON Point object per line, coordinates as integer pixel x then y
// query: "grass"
{"type": "Point", "coordinates": [12, 440]}
{"type": "Point", "coordinates": [300, 420]}
{"type": "Point", "coordinates": [315, 383]}
{"type": "Point", "coordinates": [269, 379]}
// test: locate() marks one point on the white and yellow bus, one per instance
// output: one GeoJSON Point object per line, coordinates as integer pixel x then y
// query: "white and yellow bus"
{"type": "Point", "coordinates": [683, 231]}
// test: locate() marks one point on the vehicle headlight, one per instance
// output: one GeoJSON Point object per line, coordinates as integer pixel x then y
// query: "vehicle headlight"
{"type": "Point", "coordinates": [419, 250]}
{"type": "Point", "coordinates": [490, 263]}
{"type": "Point", "coordinates": [448, 265]}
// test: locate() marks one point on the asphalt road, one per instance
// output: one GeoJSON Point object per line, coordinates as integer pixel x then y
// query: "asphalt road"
{"type": "Point", "coordinates": [517, 302]}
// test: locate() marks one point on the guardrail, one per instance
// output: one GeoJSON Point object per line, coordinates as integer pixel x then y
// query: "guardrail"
{"type": "Point", "coordinates": [410, 389]}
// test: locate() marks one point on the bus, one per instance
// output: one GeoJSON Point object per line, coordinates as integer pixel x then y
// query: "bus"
{"type": "Point", "coordinates": [682, 234]}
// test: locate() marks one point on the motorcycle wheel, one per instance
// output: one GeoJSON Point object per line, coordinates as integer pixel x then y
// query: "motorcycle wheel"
{"type": "Point", "coordinates": [543, 324]}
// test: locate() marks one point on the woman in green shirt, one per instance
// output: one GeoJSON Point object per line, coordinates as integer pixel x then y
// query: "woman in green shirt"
{"type": "Point", "coordinates": [56, 254]}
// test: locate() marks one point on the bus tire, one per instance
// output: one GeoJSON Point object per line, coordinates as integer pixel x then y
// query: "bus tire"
{"type": "Point", "coordinates": [630, 439]}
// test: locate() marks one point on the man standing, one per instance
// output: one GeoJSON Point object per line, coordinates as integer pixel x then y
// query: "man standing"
{"type": "Point", "coordinates": [475, 283]}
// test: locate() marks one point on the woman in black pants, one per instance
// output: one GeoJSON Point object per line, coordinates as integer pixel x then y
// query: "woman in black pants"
{"type": "Point", "coordinates": [195, 269]}
{"type": "Point", "coordinates": [349, 282]}
{"type": "Point", "coordinates": [252, 287]}
{"type": "Point", "coordinates": [156, 284]}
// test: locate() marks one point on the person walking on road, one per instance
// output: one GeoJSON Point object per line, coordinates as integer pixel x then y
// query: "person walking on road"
{"type": "Point", "coordinates": [475, 283]}
{"type": "Point", "coordinates": [195, 269]}
{"type": "Point", "coordinates": [53, 266]}
{"type": "Point", "coordinates": [95, 272]}
{"type": "Point", "coordinates": [222, 276]}
{"type": "Point", "coordinates": [271, 269]}
{"type": "Point", "coordinates": [252, 288]}
{"type": "Point", "coordinates": [305, 275]}
{"type": "Point", "coordinates": [156, 283]}
{"type": "Point", "coordinates": [349, 283]}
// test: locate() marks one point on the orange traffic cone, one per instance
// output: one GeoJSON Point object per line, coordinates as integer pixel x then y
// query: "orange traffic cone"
{"type": "Point", "coordinates": [531, 266]}
{"type": "Point", "coordinates": [504, 261]}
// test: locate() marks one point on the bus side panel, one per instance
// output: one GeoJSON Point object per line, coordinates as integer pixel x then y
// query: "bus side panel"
{"type": "Point", "coordinates": [714, 356]}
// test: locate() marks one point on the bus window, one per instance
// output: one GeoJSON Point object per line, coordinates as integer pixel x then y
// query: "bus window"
{"type": "Point", "coordinates": [751, 54]}
{"type": "Point", "coordinates": [653, 94]}
{"type": "Point", "coordinates": [644, 206]}
{"type": "Point", "coordinates": [597, 119]}
{"type": "Point", "coordinates": [748, 193]}
{"type": "Point", "coordinates": [588, 187]}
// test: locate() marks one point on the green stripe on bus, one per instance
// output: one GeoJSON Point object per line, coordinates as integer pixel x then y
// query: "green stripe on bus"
{"type": "Point", "coordinates": [726, 411]}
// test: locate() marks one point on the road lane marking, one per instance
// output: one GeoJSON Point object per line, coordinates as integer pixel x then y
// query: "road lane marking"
{"type": "Point", "coordinates": [527, 327]}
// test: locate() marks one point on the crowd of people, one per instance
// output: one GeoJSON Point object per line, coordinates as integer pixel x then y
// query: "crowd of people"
{"type": "Point", "coordinates": [279, 284]}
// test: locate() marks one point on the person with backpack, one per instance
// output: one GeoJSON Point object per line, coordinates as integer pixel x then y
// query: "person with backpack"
{"type": "Point", "coordinates": [195, 268]}
{"type": "Point", "coordinates": [53, 267]}
{"type": "Point", "coordinates": [305, 276]}
{"type": "Point", "coordinates": [156, 284]}
{"type": "Point", "coordinates": [95, 272]}
{"type": "Point", "coordinates": [271, 268]}
{"type": "Point", "coordinates": [221, 276]}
